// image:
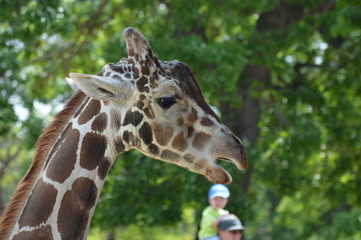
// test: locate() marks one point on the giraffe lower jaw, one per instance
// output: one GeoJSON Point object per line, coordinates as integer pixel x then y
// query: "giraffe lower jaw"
{"type": "Point", "coordinates": [217, 174]}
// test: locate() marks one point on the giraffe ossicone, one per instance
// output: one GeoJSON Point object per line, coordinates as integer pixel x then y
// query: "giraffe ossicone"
{"type": "Point", "coordinates": [140, 103]}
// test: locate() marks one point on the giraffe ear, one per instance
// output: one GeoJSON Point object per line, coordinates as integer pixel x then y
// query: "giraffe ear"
{"type": "Point", "coordinates": [138, 48]}
{"type": "Point", "coordinates": [99, 87]}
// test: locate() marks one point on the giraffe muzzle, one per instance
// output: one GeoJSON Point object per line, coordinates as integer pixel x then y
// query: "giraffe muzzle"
{"type": "Point", "coordinates": [235, 153]}
{"type": "Point", "coordinates": [242, 161]}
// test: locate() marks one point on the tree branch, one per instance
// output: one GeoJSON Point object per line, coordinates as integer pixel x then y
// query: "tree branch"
{"type": "Point", "coordinates": [90, 24]}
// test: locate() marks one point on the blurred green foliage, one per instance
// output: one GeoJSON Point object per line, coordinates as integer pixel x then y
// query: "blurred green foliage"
{"type": "Point", "coordinates": [304, 175]}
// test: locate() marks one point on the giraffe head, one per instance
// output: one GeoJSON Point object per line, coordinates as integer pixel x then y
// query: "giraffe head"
{"type": "Point", "coordinates": [160, 111]}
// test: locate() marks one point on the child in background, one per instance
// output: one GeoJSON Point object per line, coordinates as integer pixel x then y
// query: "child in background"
{"type": "Point", "coordinates": [218, 198]}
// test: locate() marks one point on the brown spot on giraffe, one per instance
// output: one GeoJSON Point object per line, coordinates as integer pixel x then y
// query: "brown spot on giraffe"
{"type": "Point", "coordinates": [91, 110]}
{"type": "Point", "coordinates": [140, 105]}
{"type": "Point", "coordinates": [153, 81]}
{"type": "Point", "coordinates": [58, 143]}
{"type": "Point", "coordinates": [193, 116]}
{"type": "Point", "coordinates": [81, 108]}
{"type": "Point", "coordinates": [153, 149]}
{"type": "Point", "coordinates": [92, 150]}
{"type": "Point", "coordinates": [43, 232]}
{"type": "Point", "coordinates": [100, 122]}
{"type": "Point", "coordinates": [65, 157]}
{"type": "Point", "coordinates": [104, 167]}
{"type": "Point", "coordinates": [141, 84]}
{"type": "Point", "coordinates": [153, 85]}
{"type": "Point", "coordinates": [189, 158]}
{"type": "Point", "coordinates": [170, 156]}
{"type": "Point", "coordinates": [135, 72]}
{"type": "Point", "coordinates": [116, 67]}
{"type": "Point", "coordinates": [119, 145]}
{"type": "Point", "coordinates": [179, 142]}
{"type": "Point", "coordinates": [129, 138]}
{"type": "Point", "coordinates": [145, 70]}
{"type": "Point", "coordinates": [133, 118]}
{"type": "Point", "coordinates": [162, 134]}
{"type": "Point", "coordinates": [75, 208]}
{"type": "Point", "coordinates": [200, 140]}
{"type": "Point", "coordinates": [190, 131]}
{"type": "Point", "coordinates": [142, 97]}
{"type": "Point", "coordinates": [31, 216]}
{"type": "Point", "coordinates": [140, 102]}
{"type": "Point", "coordinates": [145, 133]}
{"type": "Point", "coordinates": [207, 122]}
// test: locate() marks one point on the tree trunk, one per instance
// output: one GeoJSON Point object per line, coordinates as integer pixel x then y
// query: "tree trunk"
{"type": "Point", "coordinates": [244, 120]}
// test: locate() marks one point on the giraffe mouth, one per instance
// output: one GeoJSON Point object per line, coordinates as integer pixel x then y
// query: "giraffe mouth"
{"type": "Point", "coordinates": [225, 159]}
{"type": "Point", "coordinates": [217, 174]}
{"type": "Point", "coordinates": [240, 160]}
{"type": "Point", "coordinates": [232, 151]}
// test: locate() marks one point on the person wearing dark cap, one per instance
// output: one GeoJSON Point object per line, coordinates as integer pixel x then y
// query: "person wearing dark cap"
{"type": "Point", "coordinates": [230, 228]}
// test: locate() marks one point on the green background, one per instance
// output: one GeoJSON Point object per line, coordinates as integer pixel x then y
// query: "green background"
{"type": "Point", "coordinates": [284, 76]}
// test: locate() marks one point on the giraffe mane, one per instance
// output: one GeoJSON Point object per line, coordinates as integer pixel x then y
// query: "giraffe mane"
{"type": "Point", "coordinates": [190, 86]}
{"type": "Point", "coordinates": [43, 146]}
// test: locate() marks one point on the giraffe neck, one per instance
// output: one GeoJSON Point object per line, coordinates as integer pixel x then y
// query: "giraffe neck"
{"type": "Point", "coordinates": [57, 197]}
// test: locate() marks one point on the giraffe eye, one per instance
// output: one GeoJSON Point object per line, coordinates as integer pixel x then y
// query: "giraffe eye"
{"type": "Point", "coordinates": [166, 102]}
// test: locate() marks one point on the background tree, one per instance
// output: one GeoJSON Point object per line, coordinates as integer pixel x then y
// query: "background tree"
{"type": "Point", "coordinates": [284, 75]}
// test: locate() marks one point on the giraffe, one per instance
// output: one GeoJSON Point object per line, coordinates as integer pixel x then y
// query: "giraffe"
{"type": "Point", "coordinates": [138, 103]}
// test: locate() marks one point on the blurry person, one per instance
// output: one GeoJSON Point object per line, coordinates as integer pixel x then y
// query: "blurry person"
{"type": "Point", "coordinates": [218, 196]}
{"type": "Point", "coordinates": [230, 228]}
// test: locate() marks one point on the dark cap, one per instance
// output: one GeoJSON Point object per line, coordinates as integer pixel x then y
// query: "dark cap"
{"type": "Point", "coordinates": [229, 223]}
